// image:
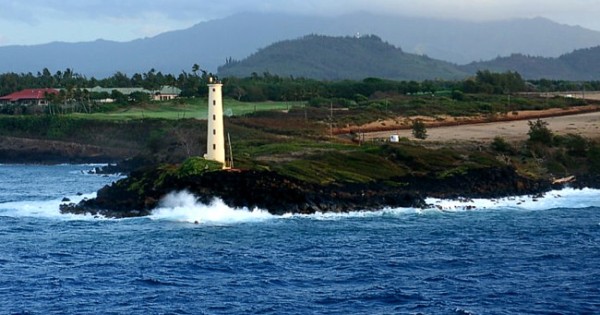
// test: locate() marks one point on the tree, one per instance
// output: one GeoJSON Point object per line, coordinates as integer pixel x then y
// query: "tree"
{"type": "Point", "coordinates": [539, 132]}
{"type": "Point", "coordinates": [419, 130]}
{"type": "Point", "coordinates": [458, 95]}
{"type": "Point", "coordinates": [139, 97]}
{"type": "Point", "coordinates": [118, 97]}
{"type": "Point", "coordinates": [195, 69]}
{"type": "Point", "coordinates": [498, 83]}
{"type": "Point", "coordinates": [239, 92]}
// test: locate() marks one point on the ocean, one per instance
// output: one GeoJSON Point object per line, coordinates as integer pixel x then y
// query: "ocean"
{"type": "Point", "coordinates": [522, 255]}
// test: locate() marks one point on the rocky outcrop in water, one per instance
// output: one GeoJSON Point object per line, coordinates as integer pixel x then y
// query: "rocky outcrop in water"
{"type": "Point", "coordinates": [141, 192]}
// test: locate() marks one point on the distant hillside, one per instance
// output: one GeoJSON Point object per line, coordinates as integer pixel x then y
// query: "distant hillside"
{"type": "Point", "coordinates": [580, 65]}
{"type": "Point", "coordinates": [210, 43]}
{"type": "Point", "coordinates": [337, 58]}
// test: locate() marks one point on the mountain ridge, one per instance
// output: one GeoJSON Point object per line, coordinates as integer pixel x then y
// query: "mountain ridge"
{"type": "Point", "coordinates": [338, 58]}
{"type": "Point", "coordinates": [210, 43]}
{"type": "Point", "coordinates": [579, 65]}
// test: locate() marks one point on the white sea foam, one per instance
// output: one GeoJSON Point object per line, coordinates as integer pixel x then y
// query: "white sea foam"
{"type": "Point", "coordinates": [566, 198]}
{"type": "Point", "coordinates": [334, 216]}
{"type": "Point", "coordinates": [48, 209]}
{"type": "Point", "coordinates": [183, 207]}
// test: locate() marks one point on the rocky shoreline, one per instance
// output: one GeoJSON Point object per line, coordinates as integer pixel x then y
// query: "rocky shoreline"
{"type": "Point", "coordinates": [43, 151]}
{"type": "Point", "coordinates": [141, 192]}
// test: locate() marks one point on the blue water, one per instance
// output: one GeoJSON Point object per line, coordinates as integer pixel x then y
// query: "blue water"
{"type": "Point", "coordinates": [512, 256]}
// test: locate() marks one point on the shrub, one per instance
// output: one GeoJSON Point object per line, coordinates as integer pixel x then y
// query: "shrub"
{"type": "Point", "coordinates": [359, 98]}
{"type": "Point", "coordinates": [501, 145]}
{"type": "Point", "coordinates": [196, 166]}
{"type": "Point", "coordinates": [419, 130]}
{"type": "Point", "coordinates": [321, 102]}
{"type": "Point", "coordinates": [593, 156]}
{"type": "Point", "coordinates": [576, 145]}
{"type": "Point", "coordinates": [540, 133]}
{"type": "Point", "coordinates": [155, 141]}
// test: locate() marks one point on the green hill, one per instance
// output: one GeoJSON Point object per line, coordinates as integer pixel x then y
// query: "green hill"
{"type": "Point", "coordinates": [580, 65]}
{"type": "Point", "coordinates": [339, 58]}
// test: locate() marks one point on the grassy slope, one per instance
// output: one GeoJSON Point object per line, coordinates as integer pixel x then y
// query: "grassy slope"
{"type": "Point", "coordinates": [301, 149]}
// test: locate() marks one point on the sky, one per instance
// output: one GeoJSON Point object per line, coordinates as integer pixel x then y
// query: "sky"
{"type": "Point", "coordinates": [30, 22]}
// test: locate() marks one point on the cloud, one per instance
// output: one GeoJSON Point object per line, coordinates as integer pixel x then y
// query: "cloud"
{"type": "Point", "coordinates": [100, 9]}
{"type": "Point", "coordinates": [560, 10]}
{"type": "Point", "coordinates": [205, 9]}
{"type": "Point", "coordinates": [138, 18]}
{"type": "Point", "coordinates": [574, 12]}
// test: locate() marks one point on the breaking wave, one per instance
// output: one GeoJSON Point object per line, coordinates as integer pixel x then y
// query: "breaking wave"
{"type": "Point", "coordinates": [565, 198]}
{"type": "Point", "coordinates": [183, 207]}
{"type": "Point", "coordinates": [48, 209]}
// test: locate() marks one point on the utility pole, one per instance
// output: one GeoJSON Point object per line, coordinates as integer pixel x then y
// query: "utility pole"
{"type": "Point", "coordinates": [230, 151]}
{"type": "Point", "coordinates": [331, 118]}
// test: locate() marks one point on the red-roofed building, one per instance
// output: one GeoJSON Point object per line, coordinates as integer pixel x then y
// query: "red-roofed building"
{"type": "Point", "coordinates": [28, 97]}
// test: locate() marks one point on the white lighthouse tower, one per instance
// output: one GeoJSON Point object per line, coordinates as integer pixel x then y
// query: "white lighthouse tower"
{"type": "Point", "coordinates": [215, 138]}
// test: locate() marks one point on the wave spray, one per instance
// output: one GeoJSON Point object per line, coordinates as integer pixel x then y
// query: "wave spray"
{"type": "Point", "coordinates": [183, 207]}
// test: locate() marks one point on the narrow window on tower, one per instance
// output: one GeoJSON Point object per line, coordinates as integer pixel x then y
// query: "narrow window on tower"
{"type": "Point", "coordinates": [214, 102]}
{"type": "Point", "coordinates": [214, 146]}
{"type": "Point", "coordinates": [214, 117]}
{"type": "Point", "coordinates": [214, 90]}
{"type": "Point", "coordinates": [214, 131]}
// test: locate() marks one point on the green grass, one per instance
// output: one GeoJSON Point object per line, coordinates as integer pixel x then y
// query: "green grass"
{"type": "Point", "coordinates": [326, 164]}
{"type": "Point", "coordinates": [341, 167]}
{"type": "Point", "coordinates": [289, 146]}
{"type": "Point", "coordinates": [191, 108]}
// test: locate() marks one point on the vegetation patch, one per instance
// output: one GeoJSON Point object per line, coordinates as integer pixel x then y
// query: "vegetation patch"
{"type": "Point", "coordinates": [196, 166]}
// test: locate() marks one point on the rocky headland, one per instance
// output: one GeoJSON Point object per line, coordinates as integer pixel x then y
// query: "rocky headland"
{"type": "Point", "coordinates": [285, 165]}
{"type": "Point", "coordinates": [141, 192]}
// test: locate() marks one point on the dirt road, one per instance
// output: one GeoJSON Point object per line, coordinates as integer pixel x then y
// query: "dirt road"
{"type": "Point", "coordinates": [587, 125]}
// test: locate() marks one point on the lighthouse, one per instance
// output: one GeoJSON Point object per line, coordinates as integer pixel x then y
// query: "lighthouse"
{"type": "Point", "coordinates": [215, 138]}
